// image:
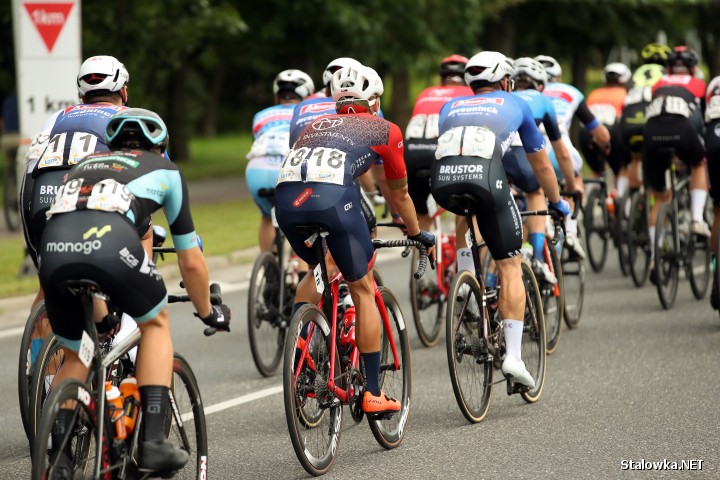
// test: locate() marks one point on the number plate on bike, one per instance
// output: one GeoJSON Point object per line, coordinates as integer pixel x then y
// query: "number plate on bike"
{"type": "Point", "coordinates": [319, 285]}
{"type": "Point", "coordinates": [87, 349]}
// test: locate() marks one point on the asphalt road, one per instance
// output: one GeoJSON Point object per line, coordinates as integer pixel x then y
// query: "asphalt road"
{"type": "Point", "coordinates": [632, 383]}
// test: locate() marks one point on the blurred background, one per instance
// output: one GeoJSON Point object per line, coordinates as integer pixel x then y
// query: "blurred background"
{"type": "Point", "coordinates": [207, 65]}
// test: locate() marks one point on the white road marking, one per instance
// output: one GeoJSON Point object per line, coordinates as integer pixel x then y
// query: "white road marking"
{"type": "Point", "coordinates": [12, 332]}
{"type": "Point", "coordinates": [234, 402]}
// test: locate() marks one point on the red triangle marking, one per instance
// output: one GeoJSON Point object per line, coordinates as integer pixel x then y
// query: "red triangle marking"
{"type": "Point", "coordinates": [49, 19]}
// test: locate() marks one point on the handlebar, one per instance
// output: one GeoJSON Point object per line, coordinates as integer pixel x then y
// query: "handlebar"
{"type": "Point", "coordinates": [576, 201]}
{"type": "Point", "coordinates": [422, 249]}
{"type": "Point", "coordinates": [215, 299]}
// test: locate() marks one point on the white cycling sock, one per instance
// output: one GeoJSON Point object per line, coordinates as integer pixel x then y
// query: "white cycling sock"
{"type": "Point", "coordinates": [651, 231]}
{"type": "Point", "coordinates": [465, 260]}
{"type": "Point", "coordinates": [697, 204]}
{"type": "Point", "coordinates": [570, 226]}
{"type": "Point", "coordinates": [513, 337]}
{"type": "Point", "coordinates": [621, 184]}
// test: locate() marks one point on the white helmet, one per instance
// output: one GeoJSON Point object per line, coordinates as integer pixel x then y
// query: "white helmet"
{"type": "Point", "coordinates": [552, 67]}
{"type": "Point", "coordinates": [356, 82]}
{"type": "Point", "coordinates": [336, 65]}
{"type": "Point", "coordinates": [530, 67]}
{"type": "Point", "coordinates": [101, 73]}
{"type": "Point", "coordinates": [295, 81]}
{"type": "Point", "coordinates": [488, 66]}
{"type": "Point", "coordinates": [620, 70]}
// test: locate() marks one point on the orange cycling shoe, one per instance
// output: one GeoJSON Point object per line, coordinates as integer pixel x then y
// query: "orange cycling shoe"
{"type": "Point", "coordinates": [381, 404]}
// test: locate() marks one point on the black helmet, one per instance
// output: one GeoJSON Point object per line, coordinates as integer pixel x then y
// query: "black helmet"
{"type": "Point", "coordinates": [136, 128]}
{"type": "Point", "coordinates": [683, 54]}
{"type": "Point", "coordinates": [453, 65]}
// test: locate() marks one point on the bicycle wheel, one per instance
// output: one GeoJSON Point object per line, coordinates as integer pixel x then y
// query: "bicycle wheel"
{"type": "Point", "coordinates": [700, 259]}
{"type": "Point", "coordinates": [596, 232]}
{"type": "Point", "coordinates": [37, 328]}
{"type": "Point", "coordinates": [533, 339]}
{"type": "Point", "coordinates": [553, 299]}
{"type": "Point", "coordinates": [667, 257]}
{"type": "Point", "coordinates": [573, 269]}
{"type": "Point", "coordinates": [427, 303]}
{"type": "Point", "coordinates": [49, 360]}
{"type": "Point", "coordinates": [265, 329]}
{"type": "Point", "coordinates": [638, 240]}
{"type": "Point", "coordinates": [379, 281]}
{"type": "Point", "coordinates": [621, 242]}
{"type": "Point", "coordinates": [81, 455]}
{"type": "Point", "coordinates": [470, 364]}
{"type": "Point", "coordinates": [186, 426]}
{"type": "Point", "coordinates": [396, 383]}
{"type": "Point", "coordinates": [11, 199]}
{"type": "Point", "coordinates": [305, 391]}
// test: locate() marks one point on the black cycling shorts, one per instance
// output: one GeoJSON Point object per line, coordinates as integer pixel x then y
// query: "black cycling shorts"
{"type": "Point", "coordinates": [337, 209]}
{"type": "Point", "coordinates": [419, 156]}
{"type": "Point", "coordinates": [712, 148]}
{"type": "Point", "coordinates": [594, 156]}
{"type": "Point", "coordinates": [102, 247]}
{"type": "Point", "coordinates": [518, 170]}
{"type": "Point", "coordinates": [663, 135]}
{"type": "Point", "coordinates": [485, 180]}
{"type": "Point", "coordinates": [632, 128]}
{"type": "Point", "coordinates": [36, 196]}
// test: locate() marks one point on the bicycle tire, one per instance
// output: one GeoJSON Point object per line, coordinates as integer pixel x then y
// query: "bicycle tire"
{"type": "Point", "coordinates": [667, 271]}
{"type": "Point", "coordinates": [317, 454]}
{"type": "Point", "coordinates": [533, 338]}
{"type": "Point", "coordinates": [638, 240]}
{"type": "Point", "coordinates": [621, 241]}
{"type": "Point", "coordinates": [716, 270]}
{"type": "Point", "coordinates": [187, 402]}
{"type": "Point", "coordinates": [596, 230]}
{"type": "Point", "coordinates": [11, 199]}
{"type": "Point", "coordinates": [471, 376]}
{"type": "Point", "coordinates": [379, 281]}
{"type": "Point", "coordinates": [427, 306]}
{"type": "Point", "coordinates": [48, 362]}
{"type": "Point", "coordinates": [573, 269]}
{"type": "Point", "coordinates": [30, 344]}
{"type": "Point", "coordinates": [699, 263]}
{"type": "Point", "coordinates": [264, 330]}
{"type": "Point", "coordinates": [553, 297]}
{"type": "Point", "coordinates": [81, 436]}
{"type": "Point", "coordinates": [390, 432]}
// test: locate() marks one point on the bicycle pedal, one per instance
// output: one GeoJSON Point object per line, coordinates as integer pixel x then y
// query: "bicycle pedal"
{"type": "Point", "coordinates": [380, 416]}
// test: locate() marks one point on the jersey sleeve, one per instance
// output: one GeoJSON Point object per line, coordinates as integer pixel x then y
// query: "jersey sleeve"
{"type": "Point", "coordinates": [177, 210]}
{"type": "Point", "coordinates": [586, 116]}
{"type": "Point", "coordinates": [294, 127]}
{"type": "Point", "coordinates": [550, 122]}
{"type": "Point", "coordinates": [530, 136]}
{"type": "Point", "coordinates": [393, 159]}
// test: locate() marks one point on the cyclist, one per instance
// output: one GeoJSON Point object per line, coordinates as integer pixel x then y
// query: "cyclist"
{"type": "Point", "coordinates": [422, 132]}
{"type": "Point", "coordinates": [632, 119]}
{"type": "Point", "coordinates": [606, 104]}
{"type": "Point", "coordinates": [271, 130]}
{"type": "Point", "coordinates": [93, 233]}
{"type": "Point", "coordinates": [712, 146]}
{"type": "Point", "coordinates": [316, 186]}
{"type": "Point", "coordinates": [529, 80]}
{"type": "Point", "coordinates": [484, 125]}
{"type": "Point", "coordinates": [674, 122]}
{"type": "Point", "coordinates": [569, 102]}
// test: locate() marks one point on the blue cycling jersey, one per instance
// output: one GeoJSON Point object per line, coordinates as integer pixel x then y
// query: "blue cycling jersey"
{"type": "Point", "coordinates": [543, 111]}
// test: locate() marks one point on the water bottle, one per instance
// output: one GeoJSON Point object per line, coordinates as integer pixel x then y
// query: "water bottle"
{"type": "Point", "coordinates": [491, 279]}
{"type": "Point", "coordinates": [131, 402]}
{"type": "Point", "coordinates": [115, 407]}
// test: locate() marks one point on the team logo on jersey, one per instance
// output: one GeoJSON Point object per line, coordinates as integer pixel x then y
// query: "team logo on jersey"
{"type": "Point", "coordinates": [326, 123]}
{"type": "Point", "coordinates": [478, 101]}
{"type": "Point", "coordinates": [317, 107]}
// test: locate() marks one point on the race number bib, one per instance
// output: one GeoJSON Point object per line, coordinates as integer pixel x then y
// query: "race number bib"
{"type": "Point", "coordinates": [604, 113]}
{"type": "Point", "coordinates": [110, 196]}
{"type": "Point", "coordinates": [423, 126]}
{"type": "Point", "coordinates": [66, 198]}
{"type": "Point", "coordinates": [81, 145]}
{"type": "Point", "coordinates": [468, 141]}
{"type": "Point", "coordinates": [712, 111]}
{"type": "Point", "coordinates": [271, 143]}
{"type": "Point", "coordinates": [319, 164]}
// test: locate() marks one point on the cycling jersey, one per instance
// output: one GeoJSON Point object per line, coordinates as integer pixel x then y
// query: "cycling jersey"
{"type": "Point", "coordinates": [271, 130]}
{"type": "Point", "coordinates": [712, 138]}
{"type": "Point", "coordinates": [568, 102]}
{"type": "Point", "coordinates": [67, 136]}
{"type": "Point", "coordinates": [421, 139]}
{"type": "Point", "coordinates": [310, 109]}
{"type": "Point", "coordinates": [92, 233]}
{"type": "Point", "coordinates": [316, 184]}
{"type": "Point", "coordinates": [475, 133]}
{"type": "Point", "coordinates": [606, 103]}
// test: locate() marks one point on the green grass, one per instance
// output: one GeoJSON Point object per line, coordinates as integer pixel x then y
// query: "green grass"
{"type": "Point", "coordinates": [217, 157]}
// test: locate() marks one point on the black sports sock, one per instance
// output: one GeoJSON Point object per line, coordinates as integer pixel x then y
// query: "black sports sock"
{"type": "Point", "coordinates": [155, 402]}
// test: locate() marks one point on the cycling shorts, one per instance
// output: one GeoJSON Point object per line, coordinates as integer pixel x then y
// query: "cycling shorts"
{"type": "Point", "coordinates": [262, 172]}
{"type": "Point", "coordinates": [419, 155]}
{"type": "Point", "coordinates": [632, 127]}
{"type": "Point", "coordinates": [664, 134]}
{"type": "Point", "coordinates": [497, 214]}
{"type": "Point", "coordinates": [594, 156]}
{"type": "Point", "coordinates": [518, 170]}
{"type": "Point", "coordinates": [36, 196]}
{"type": "Point", "coordinates": [105, 248]}
{"type": "Point", "coordinates": [335, 208]}
{"type": "Point", "coordinates": [712, 147]}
